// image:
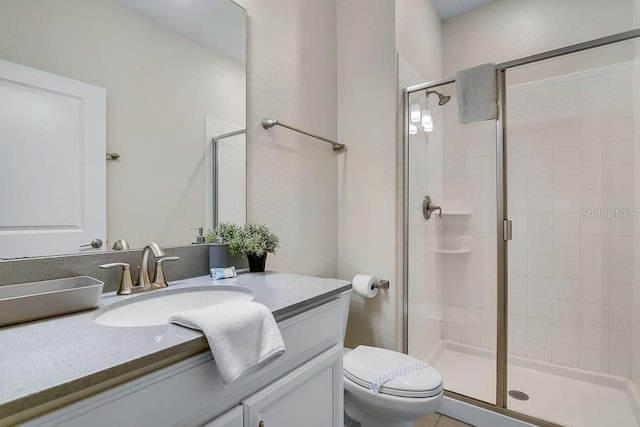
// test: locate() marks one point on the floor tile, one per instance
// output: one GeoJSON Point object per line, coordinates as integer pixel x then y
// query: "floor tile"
{"type": "Point", "coordinates": [437, 420]}
{"type": "Point", "coordinates": [429, 420]}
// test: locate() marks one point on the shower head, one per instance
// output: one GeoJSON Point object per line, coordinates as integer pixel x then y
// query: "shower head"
{"type": "Point", "coordinates": [443, 98]}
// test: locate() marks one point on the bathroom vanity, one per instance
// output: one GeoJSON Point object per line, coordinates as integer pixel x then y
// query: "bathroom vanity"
{"type": "Point", "coordinates": [70, 371]}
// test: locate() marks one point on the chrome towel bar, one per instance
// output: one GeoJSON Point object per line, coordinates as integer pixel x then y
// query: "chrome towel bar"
{"type": "Point", "coordinates": [269, 123]}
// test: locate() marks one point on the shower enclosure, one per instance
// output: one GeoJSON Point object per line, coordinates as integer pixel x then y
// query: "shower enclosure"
{"type": "Point", "coordinates": [525, 292]}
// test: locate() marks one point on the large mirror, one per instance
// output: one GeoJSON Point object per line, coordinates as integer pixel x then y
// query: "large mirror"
{"type": "Point", "coordinates": [165, 77]}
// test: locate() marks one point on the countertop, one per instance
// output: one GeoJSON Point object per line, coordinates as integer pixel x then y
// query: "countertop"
{"type": "Point", "coordinates": [45, 360]}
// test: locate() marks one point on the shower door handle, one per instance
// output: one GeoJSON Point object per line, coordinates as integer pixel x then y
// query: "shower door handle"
{"type": "Point", "coordinates": [428, 208]}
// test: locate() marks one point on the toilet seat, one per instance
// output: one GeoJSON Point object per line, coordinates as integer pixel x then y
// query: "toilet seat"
{"type": "Point", "coordinates": [364, 365]}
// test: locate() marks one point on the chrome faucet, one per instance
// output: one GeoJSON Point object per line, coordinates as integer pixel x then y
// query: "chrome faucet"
{"type": "Point", "coordinates": [144, 280]}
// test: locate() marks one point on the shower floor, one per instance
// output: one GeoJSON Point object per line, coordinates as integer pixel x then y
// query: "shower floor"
{"type": "Point", "coordinates": [579, 398]}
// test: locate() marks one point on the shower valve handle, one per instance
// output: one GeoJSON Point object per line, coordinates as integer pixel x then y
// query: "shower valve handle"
{"type": "Point", "coordinates": [428, 208]}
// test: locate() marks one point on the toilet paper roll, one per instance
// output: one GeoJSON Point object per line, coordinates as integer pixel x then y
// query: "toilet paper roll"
{"type": "Point", "coordinates": [363, 285]}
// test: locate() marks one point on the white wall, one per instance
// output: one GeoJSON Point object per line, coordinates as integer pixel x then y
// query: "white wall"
{"type": "Point", "coordinates": [367, 170]}
{"type": "Point", "coordinates": [369, 236]}
{"type": "Point", "coordinates": [151, 122]}
{"type": "Point", "coordinates": [511, 29]}
{"type": "Point", "coordinates": [292, 179]}
{"type": "Point", "coordinates": [419, 37]}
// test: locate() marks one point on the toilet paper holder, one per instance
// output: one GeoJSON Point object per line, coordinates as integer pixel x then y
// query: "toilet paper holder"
{"type": "Point", "coordinates": [381, 284]}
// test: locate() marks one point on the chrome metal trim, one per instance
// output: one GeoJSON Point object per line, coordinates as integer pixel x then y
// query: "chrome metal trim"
{"type": "Point", "coordinates": [603, 41]}
{"type": "Point", "coordinates": [380, 284]}
{"type": "Point", "coordinates": [126, 282]}
{"type": "Point", "coordinates": [427, 85]}
{"type": "Point", "coordinates": [508, 229]}
{"type": "Point", "coordinates": [226, 135]}
{"type": "Point", "coordinates": [95, 244]}
{"type": "Point", "coordinates": [144, 281]}
{"type": "Point", "coordinates": [269, 123]}
{"type": "Point", "coordinates": [214, 186]}
{"type": "Point", "coordinates": [501, 248]}
{"type": "Point", "coordinates": [405, 225]}
{"type": "Point", "coordinates": [428, 207]}
{"type": "Point", "coordinates": [214, 149]}
{"type": "Point", "coordinates": [507, 412]}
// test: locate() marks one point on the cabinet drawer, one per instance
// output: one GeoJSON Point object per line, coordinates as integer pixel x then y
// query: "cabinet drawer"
{"type": "Point", "coordinates": [191, 392]}
{"type": "Point", "coordinates": [233, 418]}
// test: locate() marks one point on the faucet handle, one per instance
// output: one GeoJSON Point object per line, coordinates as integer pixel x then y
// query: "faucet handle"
{"type": "Point", "coordinates": [126, 282]}
{"type": "Point", "coordinates": [159, 280]}
{"type": "Point", "coordinates": [428, 208]}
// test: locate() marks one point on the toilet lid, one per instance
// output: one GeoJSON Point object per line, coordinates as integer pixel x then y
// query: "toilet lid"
{"type": "Point", "coordinates": [365, 365]}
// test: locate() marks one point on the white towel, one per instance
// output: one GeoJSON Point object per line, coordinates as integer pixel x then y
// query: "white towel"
{"type": "Point", "coordinates": [243, 335]}
{"type": "Point", "coordinates": [477, 93]}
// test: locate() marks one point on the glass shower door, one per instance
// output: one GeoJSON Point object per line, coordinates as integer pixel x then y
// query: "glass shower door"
{"type": "Point", "coordinates": [452, 258]}
{"type": "Point", "coordinates": [571, 187]}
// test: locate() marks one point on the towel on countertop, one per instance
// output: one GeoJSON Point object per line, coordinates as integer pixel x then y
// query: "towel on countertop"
{"type": "Point", "coordinates": [477, 93]}
{"type": "Point", "coordinates": [243, 335]}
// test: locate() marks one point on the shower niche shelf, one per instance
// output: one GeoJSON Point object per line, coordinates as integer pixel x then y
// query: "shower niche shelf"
{"type": "Point", "coordinates": [456, 213]}
{"type": "Point", "coordinates": [452, 251]}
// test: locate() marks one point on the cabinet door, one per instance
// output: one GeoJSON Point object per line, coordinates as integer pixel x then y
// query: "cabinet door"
{"type": "Point", "coordinates": [233, 418]}
{"type": "Point", "coordinates": [310, 396]}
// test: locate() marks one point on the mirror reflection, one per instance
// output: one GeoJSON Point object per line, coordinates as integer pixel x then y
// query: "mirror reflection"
{"type": "Point", "coordinates": [154, 82]}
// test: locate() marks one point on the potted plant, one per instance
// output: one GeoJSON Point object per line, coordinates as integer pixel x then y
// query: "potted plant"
{"type": "Point", "coordinates": [254, 240]}
{"type": "Point", "coordinates": [219, 246]}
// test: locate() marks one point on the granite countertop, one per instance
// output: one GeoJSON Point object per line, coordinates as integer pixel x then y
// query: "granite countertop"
{"type": "Point", "coordinates": [44, 360]}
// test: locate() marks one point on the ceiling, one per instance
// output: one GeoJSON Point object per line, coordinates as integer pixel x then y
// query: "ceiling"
{"type": "Point", "coordinates": [217, 24]}
{"type": "Point", "coordinates": [449, 8]}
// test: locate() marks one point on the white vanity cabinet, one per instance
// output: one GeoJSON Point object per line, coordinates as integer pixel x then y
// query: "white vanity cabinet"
{"type": "Point", "coordinates": [233, 418]}
{"type": "Point", "coordinates": [303, 387]}
{"type": "Point", "coordinates": [306, 397]}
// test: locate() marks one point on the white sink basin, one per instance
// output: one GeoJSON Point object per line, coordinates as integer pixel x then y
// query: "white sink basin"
{"type": "Point", "coordinates": [155, 308]}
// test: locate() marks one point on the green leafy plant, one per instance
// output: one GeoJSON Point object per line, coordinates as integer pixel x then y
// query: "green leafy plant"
{"type": "Point", "coordinates": [258, 240]}
{"type": "Point", "coordinates": [222, 234]}
{"type": "Point", "coordinates": [251, 238]}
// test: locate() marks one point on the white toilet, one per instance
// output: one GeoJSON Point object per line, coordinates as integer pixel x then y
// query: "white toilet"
{"type": "Point", "coordinates": [399, 401]}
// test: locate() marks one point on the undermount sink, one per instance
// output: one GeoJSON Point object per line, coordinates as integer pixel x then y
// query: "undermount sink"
{"type": "Point", "coordinates": [155, 308]}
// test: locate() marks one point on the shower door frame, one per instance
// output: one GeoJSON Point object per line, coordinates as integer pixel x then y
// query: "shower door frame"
{"type": "Point", "coordinates": [501, 215]}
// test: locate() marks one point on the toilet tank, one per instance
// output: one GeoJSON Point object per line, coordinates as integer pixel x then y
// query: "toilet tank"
{"type": "Point", "coordinates": [345, 299]}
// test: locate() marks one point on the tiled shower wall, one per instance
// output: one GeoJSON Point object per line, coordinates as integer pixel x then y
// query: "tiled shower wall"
{"type": "Point", "coordinates": [570, 183]}
{"type": "Point", "coordinates": [425, 272]}
{"type": "Point", "coordinates": [469, 230]}
{"type": "Point", "coordinates": [570, 163]}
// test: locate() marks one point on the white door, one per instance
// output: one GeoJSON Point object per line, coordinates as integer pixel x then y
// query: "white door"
{"type": "Point", "coordinates": [52, 163]}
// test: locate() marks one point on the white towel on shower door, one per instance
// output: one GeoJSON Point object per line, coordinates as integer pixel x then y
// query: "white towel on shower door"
{"type": "Point", "coordinates": [477, 93]}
